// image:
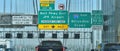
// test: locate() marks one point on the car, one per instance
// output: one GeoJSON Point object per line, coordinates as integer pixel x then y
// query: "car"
{"type": "Point", "coordinates": [109, 47]}
{"type": "Point", "coordinates": [50, 45]}
{"type": "Point", "coordinates": [2, 47]}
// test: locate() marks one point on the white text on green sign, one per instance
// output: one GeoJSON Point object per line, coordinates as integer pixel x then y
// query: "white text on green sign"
{"type": "Point", "coordinates": [80, 20]}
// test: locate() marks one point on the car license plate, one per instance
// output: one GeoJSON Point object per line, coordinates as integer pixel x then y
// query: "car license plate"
{"type": "Point", "coordinates": [50, 50]}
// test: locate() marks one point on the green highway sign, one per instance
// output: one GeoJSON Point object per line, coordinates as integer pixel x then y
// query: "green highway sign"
{"type": "Point", "coordinates": [97, 12]}
{"type": "Point", "coordinates": [47, 4]}
{"type": "Point", "coordinates": [80, 20]}
{"type": "Point", "coordinates": [53, 20]}
{"type": "Point", "coordinates": [53, 17]}
{"type": "Point", "coordinates": [97, 17]}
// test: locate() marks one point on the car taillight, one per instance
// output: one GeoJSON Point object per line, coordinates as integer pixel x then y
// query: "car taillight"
{"type": "Point", "coordinates": [63, 49]}
{"type": "Point", "coordinates": [37, 48]}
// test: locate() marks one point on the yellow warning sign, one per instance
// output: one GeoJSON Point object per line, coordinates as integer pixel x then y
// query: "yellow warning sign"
{"type": "Point", "coordinates": [47, 1]}
{"type": "Point", "coordinates": [53, 26]}
{"type": "Point", "coordinates": [44, 4]}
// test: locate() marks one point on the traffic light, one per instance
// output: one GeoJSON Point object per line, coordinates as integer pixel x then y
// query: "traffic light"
{"type": "Point", "coordinates": [19, 35]}
{"type": "Point", "coordinates": [54, 35]}
{"type": "Point", "coordinates": [76, 36]}
{"type": "Point", "coordinates": [30, 35]}
{"type": "Point", "coordinates": [105, 27]}
{"type": "Point", "coordinates": [8, 35]}
{"type": "Point", "coordinates": [42, 35]}
{"type": "Point", "coordinates": [105, 17]}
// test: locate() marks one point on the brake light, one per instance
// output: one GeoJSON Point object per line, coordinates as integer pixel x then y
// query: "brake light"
{"type": "Point", "coordinates": [37, 48]}
{"type": "Point", "coordinates": [63, 49]}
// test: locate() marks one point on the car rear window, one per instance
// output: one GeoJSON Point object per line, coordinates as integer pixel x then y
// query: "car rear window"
{"type": "Point", "coordinates": [112, 47]}
{"type": "Point", "coordinates": [51, 43]}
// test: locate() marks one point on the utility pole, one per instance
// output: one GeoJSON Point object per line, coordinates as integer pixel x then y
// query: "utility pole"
{"type": "Point", "coordinates": [4, 6]}
{"type": "Point", "coordinates": [117, 19]}
{"type": "Point", "coordinates": [10, 6]}
{"type": "Point", "coordinates": [34, 7]}
{"type": "Point", "coordinates": [37, 6]}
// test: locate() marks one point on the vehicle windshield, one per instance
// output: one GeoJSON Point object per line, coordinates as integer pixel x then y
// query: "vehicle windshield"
{"type": "Point", "coordinates": [51, 43]}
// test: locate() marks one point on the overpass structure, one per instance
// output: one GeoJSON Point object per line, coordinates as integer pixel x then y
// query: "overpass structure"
{"type": "Point", "coordinates": [21, 25]}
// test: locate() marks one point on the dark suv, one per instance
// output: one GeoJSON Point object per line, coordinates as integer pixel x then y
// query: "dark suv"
{"type": "Point", "coordinates": [49, 45]}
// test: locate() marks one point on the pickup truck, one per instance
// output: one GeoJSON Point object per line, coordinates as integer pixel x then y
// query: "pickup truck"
{"type": "Point", "coordinates": [50, 46]}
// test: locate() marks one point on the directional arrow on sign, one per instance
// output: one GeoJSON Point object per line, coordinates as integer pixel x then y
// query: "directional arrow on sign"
{"type": "Point", "coordinates": [53, 26]}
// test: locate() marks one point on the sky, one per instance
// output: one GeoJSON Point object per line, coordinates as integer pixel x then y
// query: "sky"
{"type": "Point", "coordinates": [26, 6]}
